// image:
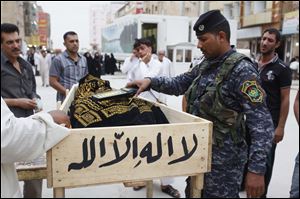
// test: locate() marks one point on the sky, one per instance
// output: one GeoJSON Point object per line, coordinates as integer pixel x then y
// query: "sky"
{"type": "Point", "coordinates": [69, 16]}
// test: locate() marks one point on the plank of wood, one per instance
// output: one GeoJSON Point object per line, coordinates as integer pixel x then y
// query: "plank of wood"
{"type": "Point", "coordinates": [196, 185]}
{"type": "Point", "coordinates": [32, 174]}
{"type": "Point", "coordinates": [59, 192]}
{"type": "Point", "coordinates": [49, 169]}
{"type": "Point", "coordinates": [134, 183]}
{"type": "Point", "coordinates": [149, 193]}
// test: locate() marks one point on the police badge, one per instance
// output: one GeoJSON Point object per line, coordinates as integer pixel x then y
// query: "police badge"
{"type": "Point", "coordinates": [252, 91]}
{"type": "Point", "coordinates": [201, 27]}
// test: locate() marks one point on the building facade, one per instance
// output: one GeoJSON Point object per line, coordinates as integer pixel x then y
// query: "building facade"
{"type": "Point", "coordinates": [16, 17]}
{"type": "Point", "coordinates": [97, 21]}
{"type": "Point", "coordinates": [101, 15]}
{"type": "Point", "coordinates": [173, 8]}
{"type": "Point", "coordinates": [44, 29]}
{"type": "Point", "coordinates": [33, 23]}
{"type": "Point", "coordinates": [256, 16]}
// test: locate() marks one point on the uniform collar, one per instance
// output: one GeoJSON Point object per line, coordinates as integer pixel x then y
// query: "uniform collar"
{"type": "Point", "coordinates": [222, 58]}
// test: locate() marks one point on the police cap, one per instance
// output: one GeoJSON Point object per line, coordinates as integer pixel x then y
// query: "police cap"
{"type": "Point", "coordinates": [208, 21]}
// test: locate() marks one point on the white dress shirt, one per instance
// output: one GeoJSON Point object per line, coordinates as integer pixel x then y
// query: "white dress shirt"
{"type": "Point", "coordinates": [142, 70]}
{"type": "Point", "coordinates": [24, 139]}
{"type": "Point", "coordinates": [129, 64]}
{"type": "Point", "coordinates": [167, 67]}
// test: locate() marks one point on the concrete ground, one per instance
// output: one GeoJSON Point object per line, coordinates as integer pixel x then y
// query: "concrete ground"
{"type": "Point", "coordinates": [284, 163]}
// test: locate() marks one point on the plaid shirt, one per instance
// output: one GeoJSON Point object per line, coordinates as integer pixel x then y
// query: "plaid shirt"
{"type": "Point", "coordinates": [68, 71]}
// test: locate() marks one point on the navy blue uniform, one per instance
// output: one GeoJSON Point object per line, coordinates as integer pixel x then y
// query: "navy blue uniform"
{"type": "Point", "coordinates": [228, 161]}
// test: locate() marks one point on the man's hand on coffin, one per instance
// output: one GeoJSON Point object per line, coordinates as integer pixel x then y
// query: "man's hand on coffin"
{"type": "Point", "coordinates": [143, 85]}
{"type": "Point", "coordinates": [61, 118]}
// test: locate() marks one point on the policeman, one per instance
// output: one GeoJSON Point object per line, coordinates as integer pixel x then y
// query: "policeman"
{"type": "Point", "coordinates": [224, 88]}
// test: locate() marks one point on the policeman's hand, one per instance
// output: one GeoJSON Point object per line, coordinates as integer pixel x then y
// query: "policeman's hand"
{"type": "Point", "coordinates": [61, 118]}
{"type": "Point", "coordinates": [143, 85]}
{"type": "Point", "coordinates": [279, 133]}
{"type": "Point", "coordinates": [26, 103]}
{"type": "Point", "coordinates": [255, 185]}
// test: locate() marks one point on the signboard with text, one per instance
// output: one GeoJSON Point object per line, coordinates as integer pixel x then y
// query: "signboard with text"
{"type": "Point", "coordinates": [43, 28]}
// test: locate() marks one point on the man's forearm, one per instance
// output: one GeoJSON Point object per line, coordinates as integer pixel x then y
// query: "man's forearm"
{"type": "Point", "coordinates": [284, 111]}
{"type": "Point", "coordinates": [296, 107]}
{"type": "Point", "coordinates": [11, 102]}
{"type": "Point", "coordinates": [57, 86]}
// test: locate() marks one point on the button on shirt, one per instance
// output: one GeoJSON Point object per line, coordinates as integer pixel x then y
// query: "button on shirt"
{"type": "Point", "coordinates": [17, 85]}
{"type": "Point", "coordinates": [68, 71]}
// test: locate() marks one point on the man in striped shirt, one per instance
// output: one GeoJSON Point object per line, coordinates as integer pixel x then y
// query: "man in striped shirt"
{"type": "Point", "coordinates": [67, 68]}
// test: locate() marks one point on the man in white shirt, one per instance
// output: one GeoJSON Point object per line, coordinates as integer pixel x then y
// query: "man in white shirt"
{"type": "Point", "coordinates": [45, 63]}
{"type": "Point", "coordinates": [25, 139]}
{"type": "Point", "coordinates": [146, 67]}
{"type": "Point", "coordinates": [166, 64]}
{"type": "Point", "coordinates": [167, 70]}
{"type": "Point", "coordinates": [36, 57]}
{"type": "Point", "coordinates": [151, 67]}
{"type": "Point", "coordinates": [129, 64]}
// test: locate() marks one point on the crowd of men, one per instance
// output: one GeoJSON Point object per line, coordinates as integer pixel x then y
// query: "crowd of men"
{"type": "Point", "coordinates": [247, 102]}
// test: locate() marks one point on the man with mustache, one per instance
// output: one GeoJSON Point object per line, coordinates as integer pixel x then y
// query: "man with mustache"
{"type": "Point", "coordinates": [225, 89]}
{"type": "Point", "coordinates": [18, 87]}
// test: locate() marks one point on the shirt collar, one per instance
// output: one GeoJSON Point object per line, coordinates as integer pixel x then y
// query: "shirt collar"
{"type": "Point", "coordinates": [66, 54]}
{"type": "Point", "coordinates": [4, 59]}
{"type": "Point", "coordinates": [273, 60]}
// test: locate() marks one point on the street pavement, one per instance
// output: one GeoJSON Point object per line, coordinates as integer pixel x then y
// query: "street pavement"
{"type": "Point", "coordinates": [282, 173]}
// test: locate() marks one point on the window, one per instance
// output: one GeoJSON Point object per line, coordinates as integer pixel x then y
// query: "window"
{"type": "Point", "coordinates": [247, 8]}
{"type": "Point", "coordinates": [206, 6]}
{"type": "Point", "coordinates": [188, 55]}
{"type": "Point", "coordinates": [236, 9]}
{"type": "Point", "coordinates": [170, 54]}
{"type": "Point", "coordinates": [259, 6]}
{"type": "Point", "coordinates": [228, 11]}
{"type": "Point", "coordinates": [190, 33]}
{"type": "Point", "coordinates": [187, 11]}
{"type": "Point", "coordinates": [179, 55]}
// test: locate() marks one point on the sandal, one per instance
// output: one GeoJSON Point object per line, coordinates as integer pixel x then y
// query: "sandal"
{"type": "Point", "coordinates": [136, 188]}
{"type": "Point", "coordinates": [168, 189]}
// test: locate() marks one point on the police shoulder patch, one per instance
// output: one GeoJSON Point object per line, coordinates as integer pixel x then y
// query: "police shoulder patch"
{"type": "Point", "coordinates": [252, 91]}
